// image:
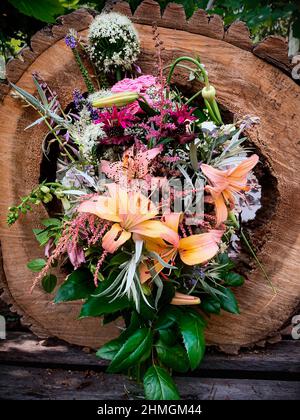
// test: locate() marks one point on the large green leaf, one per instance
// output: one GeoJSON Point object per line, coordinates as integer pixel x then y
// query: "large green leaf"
{"type": "Point", "coordinates": [159, 385]}
{"type": "Point", "coordinates": [174, 357]}
{"type": "Point", "coordinates": [110, 349]}
{"type": "Point", "coordinates": [101, 305]}
{"type": "Point", "coordinates": [132, 351]}
{"type": "Point", "coordinates": [211, 305]}
{"type": "Point", "coordinates": [167, 317]}
{"type": "Point", "coordinates": [78, 285]}
{"type": "Point", "coordinates": [233, 279]}
{"type": "Point", "coordinates": [45, 10]}
{"type": "Point", "coordinates": [192, 332]}
{"type": "Point", "coordinates": [228, 302]}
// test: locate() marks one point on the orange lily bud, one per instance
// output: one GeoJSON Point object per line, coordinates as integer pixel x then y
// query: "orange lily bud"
{"type": "Point", "coordinates": [182, 299]}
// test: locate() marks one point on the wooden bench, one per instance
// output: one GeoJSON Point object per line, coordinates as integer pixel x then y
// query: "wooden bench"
{"type": "Point", "coordinates": [35, 369]}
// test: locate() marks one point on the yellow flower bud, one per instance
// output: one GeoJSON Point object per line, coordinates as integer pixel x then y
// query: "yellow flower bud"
{"type": "Point", "coordinates": [117, 99]}
{"type": "Point", "coordinates": [209, 93]}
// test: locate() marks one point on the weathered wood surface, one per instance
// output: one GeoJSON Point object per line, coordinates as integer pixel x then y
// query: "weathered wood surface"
{"type": "Point", "coordinates": [246, 85]}
{"type": "Point", "coordinates": [35, 369]}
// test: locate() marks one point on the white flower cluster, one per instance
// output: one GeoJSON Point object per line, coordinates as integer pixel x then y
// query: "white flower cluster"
{"type": "Point", "coordinates": [113, 42]}
{"type": "Point", "coordinates": [88, 133]}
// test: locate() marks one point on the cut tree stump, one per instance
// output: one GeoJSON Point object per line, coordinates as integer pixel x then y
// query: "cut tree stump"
{"type": "Point", "coordinates": [246, 85]}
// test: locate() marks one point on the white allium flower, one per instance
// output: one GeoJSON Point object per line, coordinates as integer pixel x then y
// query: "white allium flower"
{"type": "Point", "coordinates": [113, 42]}
{"type": "Point", "coordinates": [89, 138]}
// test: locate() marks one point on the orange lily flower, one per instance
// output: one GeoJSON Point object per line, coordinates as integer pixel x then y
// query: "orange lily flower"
{"type": "Point", "coordinates": [194, 249]}
{"type": "Point", "coordinates": [132, 213]}
{"type": "Point", "coordinates": [182, 299]}
{"type": "Point", "coordinates": [224, 184]}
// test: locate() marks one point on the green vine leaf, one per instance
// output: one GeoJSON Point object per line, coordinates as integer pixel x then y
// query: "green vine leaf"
{"type": "Point", "coordinates": [228, 302]}
{"type": "Point", "coordinates": [78, 285]}
{"type": "Point", "coordinates": [174, 357]}
{"type": "Point", "coordinates": [49, 283]}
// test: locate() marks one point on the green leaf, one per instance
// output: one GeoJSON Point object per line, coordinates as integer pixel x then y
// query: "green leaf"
{"type": "Point", "coordinates": [174, 357]}
{"type": "Point", "coordinates": [193, 337]}
{"type": "Point", "coordinates": [36, 265]}
{"type": "Point", "coordinates": [110, 349]}
{"type": "Point", "coordinates": [147, 109]}
{"type": "Point", "coordinates": [118, 259]}
{"type": "Point", "coordinates": [168, 336]}
{"type": "Point", "coordinates": [98, 306]}
{"type": "Point", "coordinates": [223, 259]}
{"type": "Point", "coordinates": [228, 302]}
{"type": "Point", "coordinates": [233, 279]}
{"type": "Point", "coordinates": [78, 285]}
{"type": "Point", "coordinates": [211, 305]}
{"type": "Point", "coordinates": [52, 222]}
{"type": "Point", "coordinates": [132, 350]}
{"type": "Point", "coordinates": [159, 385]}
{"type": "Point", "coordinates": [167, 317]}
{"type": "Point", "coordinates": [49, 282]}
{"type": "Point", "coordinates": [42, 236]}
{"type": "Point", "coordinates": [45, 11]}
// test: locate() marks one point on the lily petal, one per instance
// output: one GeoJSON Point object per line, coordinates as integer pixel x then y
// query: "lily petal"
{"type": "Point", "coordinates": [196, 249]}
{"type": "Point", "coordinates": [220, 205]}
{"type": "Point", "coordinates": [156, 229]}
{"type": "Point", "coordinates": [114, 238]}
{"type": "Point", "coordinates": [101, 206]}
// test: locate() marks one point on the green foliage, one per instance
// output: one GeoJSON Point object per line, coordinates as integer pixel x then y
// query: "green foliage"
{"type": "Point", "coordinates": [192, 331]}
{"type": "Point", "coordinates": [78, 285]}
{"type": "Point", "coordinates": [211, 305]}
{"type": "Point", "coordinates": [233, 279]}
{"type": "Point", "coordinates": [174, 357]}
{"type": "Point", "coordinates": [159, 385]}
{"type": "Point", "coordinates": [49, 283]}
{"type": "Point", "coordinates": [36, 265]}
{"type": "Point", "coordinates": [110, 349]}
{"type": "Point", "coordinates": [132, 351]}
{"type": "Point", "coordinates": [228, 302]}
{"type": "Point", "coordinates": [45, 11]}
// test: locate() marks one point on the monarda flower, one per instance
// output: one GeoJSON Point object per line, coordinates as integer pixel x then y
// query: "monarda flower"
{"type": "Point", "coordinates": [114, 123]}
{"type": "Point", "coordinates": [225, 184]}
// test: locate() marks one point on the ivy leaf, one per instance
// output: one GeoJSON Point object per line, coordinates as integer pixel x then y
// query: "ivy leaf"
{"type": "Point", "coordinates": [132, 350]}
{"type": "Point", "coordinates": [36, 265]}
{"type": "Point", "coordinates": [211, 305]}
{"type": "Point", "coordinates": [174, 357]}
{"type": "Point", "coordinates": [159, 385]}
{"type": "Point", "coordinates": [233, 279]}
{"type": "Point", "coordinates": [49, 282]}
{"type": "Point", "coordinates": [193, 337]}
{"type": "Point", "coordinates": [228, 302]}
{"type": "Point", "coordinates": [78, 285]}
{"type": "Point", "coordinates": [45, 11]}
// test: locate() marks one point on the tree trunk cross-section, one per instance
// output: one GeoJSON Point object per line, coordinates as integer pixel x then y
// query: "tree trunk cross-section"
{"type": "Point", "coordinates": [246, 85]}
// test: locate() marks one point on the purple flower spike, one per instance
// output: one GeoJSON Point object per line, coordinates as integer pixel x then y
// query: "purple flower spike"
{"type": "Point", "coordinates": [71, 41]}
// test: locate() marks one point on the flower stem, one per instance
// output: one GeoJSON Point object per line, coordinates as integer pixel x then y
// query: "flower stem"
{"type": "Point", "coordinates": [87, 80]}
{"type": "Point", "coordinates": [193, 156]}
{"type": "Point", "coordinates": [236, 224]}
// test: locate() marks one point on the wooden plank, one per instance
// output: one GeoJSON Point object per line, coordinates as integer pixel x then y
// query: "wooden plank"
{"type": "Point", "coordinates": [25, 348]}
{"type": "Point", "coordinates": [27, 383]}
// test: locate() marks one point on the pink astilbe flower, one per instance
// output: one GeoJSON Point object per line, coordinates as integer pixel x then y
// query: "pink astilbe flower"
{"type": "Point", "coordinates": [83, 228]}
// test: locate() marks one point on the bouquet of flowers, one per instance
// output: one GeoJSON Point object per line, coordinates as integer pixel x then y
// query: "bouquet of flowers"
{"type": "Point", "coordinates": [147, 206]}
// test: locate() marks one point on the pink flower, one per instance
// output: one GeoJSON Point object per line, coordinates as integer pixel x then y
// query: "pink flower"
{"type": "Point", "coordinates": [141, 85]}
{"type": "Point", "coordinates": [183, 114]}
{"type": "Point", "coordinates": [76, 254]}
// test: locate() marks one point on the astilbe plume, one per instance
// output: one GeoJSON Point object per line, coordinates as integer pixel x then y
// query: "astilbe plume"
{"type": "Point", "coordinates": [84, 227]}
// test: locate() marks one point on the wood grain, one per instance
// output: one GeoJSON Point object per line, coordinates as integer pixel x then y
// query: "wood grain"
{"type": "Point", "coordinates": [246, 85]}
